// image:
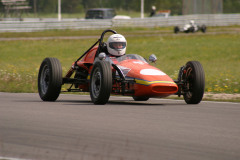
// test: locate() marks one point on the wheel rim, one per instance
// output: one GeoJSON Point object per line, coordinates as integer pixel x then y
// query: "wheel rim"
{"type": "Point", "coordinates": [189, 83]}
{"type": "Point", "coordinates": [44, 80]}
{"type": "Point", "coordinates": [96, 83]}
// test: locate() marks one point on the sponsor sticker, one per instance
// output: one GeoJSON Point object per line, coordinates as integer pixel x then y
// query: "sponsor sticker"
{"type": "Point", "coordinates": [152, 72]}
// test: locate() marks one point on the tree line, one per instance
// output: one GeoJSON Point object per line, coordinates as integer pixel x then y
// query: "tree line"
{"type": "Point", "coordinates": [79, 6]}
{"type": "Point", "coordinates": [76, 6]}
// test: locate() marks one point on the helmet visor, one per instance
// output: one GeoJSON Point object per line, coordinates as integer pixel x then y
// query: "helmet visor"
{"type": "Point", "coordinates": [117, 45]}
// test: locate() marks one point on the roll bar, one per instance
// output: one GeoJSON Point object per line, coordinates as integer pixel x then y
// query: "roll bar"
{"type": "Point", "coordinates": [100, 40]}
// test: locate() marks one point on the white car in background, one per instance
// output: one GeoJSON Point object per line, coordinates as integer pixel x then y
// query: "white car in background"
{"type": "Point", "coordinates": [190, 27]}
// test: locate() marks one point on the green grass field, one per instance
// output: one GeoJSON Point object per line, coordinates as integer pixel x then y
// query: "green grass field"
{"type": "Point", "coordinates": [218, 53]}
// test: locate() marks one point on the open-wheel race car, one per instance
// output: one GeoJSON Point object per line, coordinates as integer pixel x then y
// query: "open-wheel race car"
{"type": "Point", "coordinates": [128, 75]}
{"type": "Point", "coordinates": [190, 27]}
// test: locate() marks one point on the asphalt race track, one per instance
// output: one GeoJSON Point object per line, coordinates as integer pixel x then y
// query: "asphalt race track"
{"type": "Point", "coordinates": [72, 128]}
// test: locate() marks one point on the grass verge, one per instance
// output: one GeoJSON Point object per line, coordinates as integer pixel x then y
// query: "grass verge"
{"type": "Point", "coordinates": [218, 53]}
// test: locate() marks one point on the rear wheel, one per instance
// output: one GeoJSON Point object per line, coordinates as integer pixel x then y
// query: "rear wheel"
{"type": "Point", "coordinates": [101, 82]}
{"type": "Point", "coordinates": [50, 79]}
{"type": "Point", "coordinates": [194, 78]}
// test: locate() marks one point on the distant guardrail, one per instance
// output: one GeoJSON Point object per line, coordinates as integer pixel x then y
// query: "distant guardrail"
{"type": "Point", "coordinates": [35, 24]}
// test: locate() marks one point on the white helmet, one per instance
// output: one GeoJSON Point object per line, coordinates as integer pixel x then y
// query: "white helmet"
{"type": "Point", "coordinates": [116, 45]}
{"type": "Point", "coordinates": [192, 22]}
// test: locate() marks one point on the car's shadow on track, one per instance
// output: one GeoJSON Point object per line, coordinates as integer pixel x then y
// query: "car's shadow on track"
{"type": "Point", "coordinates": [111, 102]}
{"type": "Point", "coordinates": [89, 102]}
{"type": "Point", "coordinates": [117, 103]}
{"type": "Point", "coordinates": [131, 102]}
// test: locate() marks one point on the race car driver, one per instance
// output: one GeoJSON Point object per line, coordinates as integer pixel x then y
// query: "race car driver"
{"type": "Point", "coordinates": [114, 48]}
{"type": "Point", "coordinates": [193, 25]}
{"type": "Point", "coordinates": [116, 45]}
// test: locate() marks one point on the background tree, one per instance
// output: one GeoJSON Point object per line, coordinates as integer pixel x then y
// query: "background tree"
{"type": "Point", "coordinates": [80, 6]}
{"type": "Point", "coordinates": [231, 6]}
{"type": "Point", "coordinates": [72, 6]}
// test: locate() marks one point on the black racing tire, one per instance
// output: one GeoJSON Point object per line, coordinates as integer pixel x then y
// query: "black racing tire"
{"type": "Point", "coordinates": [176, 29]}
{"type": "Point", "coordinates": [50, 79]}
{"type": "Point", "coordinates": [194, 82]}
{"type": "Point", "coordinates": [101, 82]}
{"type": "Point", "coordinates": [140, 98]}
{"type": "Point", "coordinates": [203, 28]}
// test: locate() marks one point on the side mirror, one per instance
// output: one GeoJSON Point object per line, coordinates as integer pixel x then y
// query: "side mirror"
{"type": "Point", "coordinates": [102, 56]}
{"type": "Point", "coordinates": [152, 58]}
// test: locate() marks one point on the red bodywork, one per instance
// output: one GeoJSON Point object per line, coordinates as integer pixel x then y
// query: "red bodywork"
{"type": "Point", "coordinates": [149, 81]}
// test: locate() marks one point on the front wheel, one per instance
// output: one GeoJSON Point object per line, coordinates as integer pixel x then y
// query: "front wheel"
{"type": "Point", "coordinates": [50, 79]}
{"type": "Point", "coordinates": [176, 29]}
{"type": "Point", "coordinates": [203, 28]}
{"type": "Point", "coordinates": [101, 82]}
{"type": "Point", "coordinates": [194, 85]}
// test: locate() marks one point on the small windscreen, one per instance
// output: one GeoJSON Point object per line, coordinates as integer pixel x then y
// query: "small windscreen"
{"type": "Point", "coordinates": [131, 56]}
